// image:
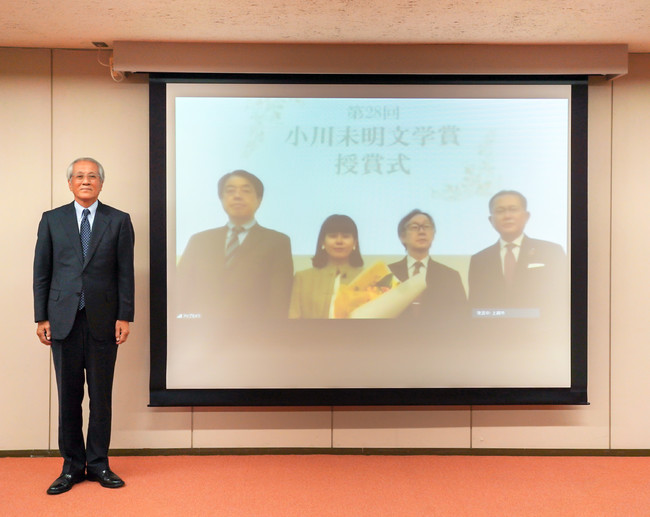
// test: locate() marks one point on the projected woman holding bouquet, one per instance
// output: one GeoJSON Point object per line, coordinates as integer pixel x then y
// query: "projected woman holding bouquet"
{"type": "Point", "coordinates": [339, 287]}
{"type": "Point", "coordinates": [337, 261]}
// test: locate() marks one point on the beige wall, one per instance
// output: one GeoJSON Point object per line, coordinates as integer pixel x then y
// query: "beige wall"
{"type": "Point", "coordinates": [55, 105]}
{"type": "Point", "coordinates": [630, 273]}
{"type": "Point", "coordinates": [25, 192]}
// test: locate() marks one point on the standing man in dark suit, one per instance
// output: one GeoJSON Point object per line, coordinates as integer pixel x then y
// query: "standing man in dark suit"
{"type": "Point", "coordinates": [443, 302]}
{"type": "Point", "coordinates": [518, 272]}
{"type": "Point", "coordinates": [241, 270]}
{"type": "Point", "coordinates": [83, 303]}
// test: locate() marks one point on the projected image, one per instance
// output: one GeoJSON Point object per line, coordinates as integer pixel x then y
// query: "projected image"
{"type": "Point", "coordinates": [341, 237]}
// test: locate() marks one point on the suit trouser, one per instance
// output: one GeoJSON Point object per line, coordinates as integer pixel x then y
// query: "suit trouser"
{"type": "Point", "coordinates": [80, 352]}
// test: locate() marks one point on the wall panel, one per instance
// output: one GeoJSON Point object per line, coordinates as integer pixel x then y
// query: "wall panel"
{"type": "Point", "coordinates": [630, 250]}
{"type": "Point", "coordinates": [261, 427]}
{"type": "Point", "coordinates": [25, 192]}
{"type": "Point", "coordinates": [395, 427]}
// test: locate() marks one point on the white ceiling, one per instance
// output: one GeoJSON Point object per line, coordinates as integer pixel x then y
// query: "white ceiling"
{"type": "Point", "coordinates": [77, 23]}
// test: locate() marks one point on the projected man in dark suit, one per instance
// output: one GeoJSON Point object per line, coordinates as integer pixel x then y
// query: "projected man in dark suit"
{"type": "Point", "coordinates": [517, 271]}
{"type": "Point", "coordinates": [443, 302]}
{"type": "Point", "coordinates": [241, 270]}
{"type": "Point", "coordinates": [83, 303]}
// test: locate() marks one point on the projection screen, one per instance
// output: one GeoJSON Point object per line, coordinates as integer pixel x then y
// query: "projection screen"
{"type": "Point", "coordinates": [372, 149]}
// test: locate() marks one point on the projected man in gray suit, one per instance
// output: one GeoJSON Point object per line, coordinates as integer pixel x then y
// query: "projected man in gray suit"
{"type": "Point", "coordinates": [241, 270]}
{"type": "Point", "coordinates": [83, 303]}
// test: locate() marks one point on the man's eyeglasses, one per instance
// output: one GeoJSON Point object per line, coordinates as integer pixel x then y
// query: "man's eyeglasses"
{"type": "Point", "coordinates": [415, 227]}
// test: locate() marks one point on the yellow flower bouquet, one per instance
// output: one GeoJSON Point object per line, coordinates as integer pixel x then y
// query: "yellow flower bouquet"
{"type": "Point", "coordinates": [376, 293]}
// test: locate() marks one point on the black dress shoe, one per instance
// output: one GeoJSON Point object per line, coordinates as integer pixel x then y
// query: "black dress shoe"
{"type": "Point", "coordinates": [107, 478]}
{"type": "Point", "coordinates": [65, 482]}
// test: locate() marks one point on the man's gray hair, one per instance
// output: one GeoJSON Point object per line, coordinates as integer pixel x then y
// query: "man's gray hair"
{"type": "Point", "coordinates": [86, 159]}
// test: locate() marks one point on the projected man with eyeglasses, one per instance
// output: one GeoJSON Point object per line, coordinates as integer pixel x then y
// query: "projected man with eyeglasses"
{"type": "Point", "coordinates": [241, 270]}
{"type": "Point", "coordinates": [443, 301]}
{"type": "Point", "coordinates": [517, 276]}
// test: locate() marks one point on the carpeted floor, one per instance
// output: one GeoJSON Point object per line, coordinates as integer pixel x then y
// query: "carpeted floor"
{"type": "Point", "coordinates": [342, 486]}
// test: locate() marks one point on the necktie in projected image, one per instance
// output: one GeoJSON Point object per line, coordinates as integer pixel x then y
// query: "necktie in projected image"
{"type": "Point", "coordinates": [233, 243]}
{"type": "Point", "coordinates": [509, 264]}
{"type": "Point", "coordinates": [84, 234]}
{"type": "Point", "coordinates": [415, 304]}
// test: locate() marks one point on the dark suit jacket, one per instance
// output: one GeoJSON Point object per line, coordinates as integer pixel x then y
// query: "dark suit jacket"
{"type": "Point", "coordinates": [255, 284]}
{"type": "Point", "coordinates": [541, 278]}
{"type": "Point", "coordinates": [443, 302]}
{"type": "Point", "coordinates": [106, 275]}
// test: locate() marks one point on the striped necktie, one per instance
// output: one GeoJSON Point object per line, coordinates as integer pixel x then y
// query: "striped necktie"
{"type": "Point", "coordinates": [233, 243]}
{"type": "Point", "coordinates": [84, 234]}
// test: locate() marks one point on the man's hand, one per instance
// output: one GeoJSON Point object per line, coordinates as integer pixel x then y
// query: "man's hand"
{"type": "Point", "coordinates": [43, 332]}
{"type": "Point", "coordinates": [121, 331]}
